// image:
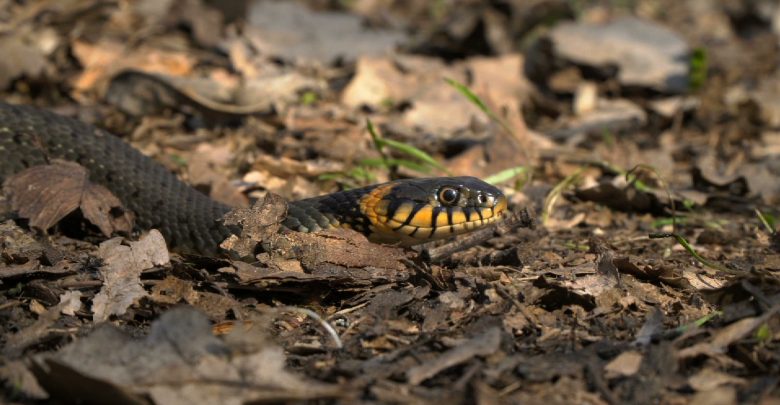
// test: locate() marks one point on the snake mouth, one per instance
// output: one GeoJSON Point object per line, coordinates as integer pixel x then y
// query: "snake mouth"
{"type": "Point", "coordinates": [413, 222]}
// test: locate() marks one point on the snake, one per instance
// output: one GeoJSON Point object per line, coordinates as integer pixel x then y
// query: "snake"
{"type": "Point", "coordinates": [404, 212]}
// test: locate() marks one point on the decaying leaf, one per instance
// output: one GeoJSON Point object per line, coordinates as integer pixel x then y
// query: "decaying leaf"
{"type": "Point", "coordinates": [25, 55]}
{"type": "Point", "coordinates": [122, 272]}
{"type": "Point", "coordinates": [17, 374]}
{"type": "Point", "coordinates": [261, 225]}
{"type": "Point", "coordinates": [338, 247]}
{"type": "Point", "coordinates": [46, 194]}
{"type": "Point", "coordinates": [180, 361]}
{"type": "Point", "coordinates": [726, 336]}
{"type": "Point", "coordinates": [32, 334]}
{"type": "Point", "coordinates": [70, 302]}
{"type": "Point", "coordinates": [723, 395]}
{"type": "Point", "coordinates": [105, 59]}
{"type": "Point", "coordinates": [174, 290]}
{"type": "Point", "coordinates": [709, 379]}
{"type": "Point", "coordinates": [258, 224]}
{"type": "Point", "coordinates": [482, 345]}
{"type": "Point", "coordinates": [624, 365]}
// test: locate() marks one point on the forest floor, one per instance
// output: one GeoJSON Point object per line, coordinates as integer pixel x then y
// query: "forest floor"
{"type": "Point", "coordinates": [637, 143]}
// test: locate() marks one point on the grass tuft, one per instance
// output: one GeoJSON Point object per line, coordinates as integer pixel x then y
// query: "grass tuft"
{"type": "Point", "coordinates": [678, 237]}
{"type": "Point", "coordinates": [411, 158]}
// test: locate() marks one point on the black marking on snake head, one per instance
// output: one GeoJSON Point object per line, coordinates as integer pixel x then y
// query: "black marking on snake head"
{"type": "Point", "coordinates": [392, 207]}
{"type": "Point", "coordinates": [435, 216]}
{"type": "Point", "coordinates": [415, 209]}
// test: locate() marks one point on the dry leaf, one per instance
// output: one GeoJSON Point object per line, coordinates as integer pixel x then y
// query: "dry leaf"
{"type": "Point", "coordinates": [174, 290]}
{"type": "Point", "coordinates": [46, 194]}
{"type": "Point", "coordinates": [106, 58]}
{"type": "Point", "coordinates": [624, 365]}
{"type": "Point", "coordinates": [70, 302]}
{"type": "Point", "coordinates": [37, 308]}
{"type": "Point", "coordinates": [710, 379]}
{"type": "Point", "coordinates": [122, 272]}
{"type": "Point", "coordinates": [179, 362]}
{"type": "Point", "coordinates": [724, 337]}
{"type": "Point", "coordinates": [718, 396]}
{"type": "Point", "coordinates": [482, 345]}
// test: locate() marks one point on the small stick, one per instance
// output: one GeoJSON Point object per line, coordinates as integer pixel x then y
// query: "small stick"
{"type": "Point", "coordinates": [520, 219]}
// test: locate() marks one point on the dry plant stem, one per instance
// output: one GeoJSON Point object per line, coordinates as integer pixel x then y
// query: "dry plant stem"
{"type": "Point", "coordinates": [520, 308]}
{"type": "Point", "coordinates": [313, 315]}
{"type": "Point", "coordinates": [437, 254]}
{"type": "Point", "coordinates": [521, 219]}
{"type": "Point", "coordinates": [10, 304]}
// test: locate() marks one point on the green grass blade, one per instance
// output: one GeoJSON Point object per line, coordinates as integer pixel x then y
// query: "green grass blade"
{"type": "Point", "coordinates": [495, 118]}
{"type": "Point", "coordinates": [414, 152]}
{"type": "Point", "coordinates": [768, 220]}
{"type": "Point", "coordinates": [691, 251]}
{"type": "Point", "coordinates": [661, 222]}
{"type": "Point", "coordinates": [556, 192]}
{"type": "Point", "coordinates": [426, 161]}
{"type": "Point", "coordinates": [506, 175]}
{"type": "Point", "coordinates": [473, 98]}
{"type": "Point", "coordinates": [699, 322]}
{"type": "Point", "coordinates": [477, 101]}
{"type": "Point", "coordinates": [374, 136]}
{"type": "Point", "coordinates": [698, 66]}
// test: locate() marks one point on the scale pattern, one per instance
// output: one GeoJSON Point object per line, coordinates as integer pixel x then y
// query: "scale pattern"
{"type": "Point", "coordinates": [187, 218]}
{"type": "Point", "coordinates": [191, 221]}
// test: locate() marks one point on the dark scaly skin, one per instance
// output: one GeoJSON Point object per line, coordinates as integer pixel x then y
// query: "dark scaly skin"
{"type": "Point", "coordinates": [185, 217]}
{"type": "Point", "coordinates": [189, 220]}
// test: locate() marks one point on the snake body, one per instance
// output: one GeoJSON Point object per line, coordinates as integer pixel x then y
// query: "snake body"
{"type": "Point", "coordinates": [406, 212]}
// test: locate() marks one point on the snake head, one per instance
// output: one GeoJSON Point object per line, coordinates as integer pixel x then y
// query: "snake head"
{"type": "Point", "coordinates": [416, 211]}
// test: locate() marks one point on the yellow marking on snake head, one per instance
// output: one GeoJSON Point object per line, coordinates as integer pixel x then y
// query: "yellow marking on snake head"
{"type": "Point", "coordinates": [423, 217]}
{"type": "Point", "coordinates": [403, 212]}
{"type": "Point", "coordinates": [442, 220]}
{"type": "Point", "coordinates": [408, 227]}
{"type": "Point", "coordinates": [381, 207]}
{"type": "Point", "coordinates": [458, 216]}
{"type": "Point", "coordinates": [373, 206]}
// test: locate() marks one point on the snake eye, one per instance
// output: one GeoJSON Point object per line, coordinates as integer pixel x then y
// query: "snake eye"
{"type": "Point", "coordinates": [448, 195]}
{"type": "Point", "coordinates": [481, 198]}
